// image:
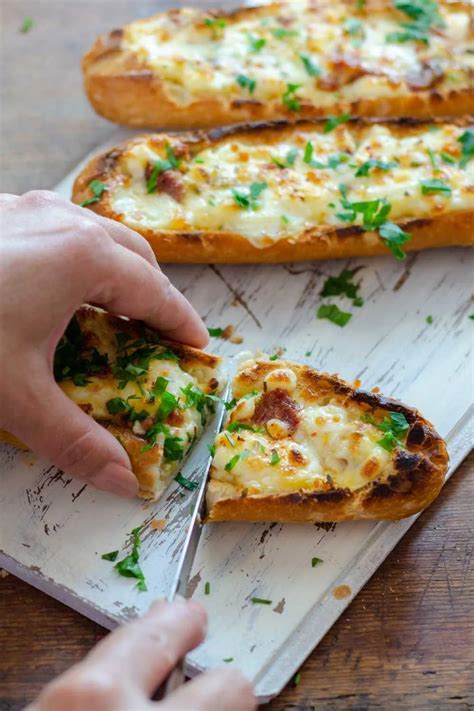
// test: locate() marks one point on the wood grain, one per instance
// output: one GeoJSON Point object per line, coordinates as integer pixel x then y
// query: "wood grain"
{"type": "Point", "coordinates": [408, 638]}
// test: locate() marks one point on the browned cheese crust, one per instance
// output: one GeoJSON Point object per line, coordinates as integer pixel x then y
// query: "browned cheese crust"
{"type": "Point", "coordinates": [418, 469]}
{"type": "Point", "coordinates": [317, 242]}
{"type": "Point", "coordinates": [124, 88]}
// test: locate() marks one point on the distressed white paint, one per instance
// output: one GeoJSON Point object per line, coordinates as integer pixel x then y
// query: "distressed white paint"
{"type": "Point", "coordinates": [52, 535]}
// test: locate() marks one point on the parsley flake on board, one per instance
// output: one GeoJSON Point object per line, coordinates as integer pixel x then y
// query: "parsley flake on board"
{"type": "Point", "coordinates": [429, 320]}
{"type": "Point", "coordinates": [335, 121]}
{"type": "Point", "coordinates": [289, 97]}
{"type": "Point", "coordinates": [311, 68]}
{"type": "Point", "coordinates": [97, 187]}
{"type": "Point", "coordinates": [316, 561]}
{"type": "Point", "coordinates": [228, 660]}
{"type": "Point", "coordinates": [112, 556]}
{"type": "Point", "coordinates": [27, 24]}
{"type": "Point", "coordinates": [129, 567]}
{"type": "Point", "coordinates": [249, 200]}
{"type": "Point", "coordinates": [260, 601]}
{"type": "Point", "coordinates": [186, 483]}
{"type": "Point", "coordinates": [467, 147]}
{"type": "Point", "coordinates": [296, 679]}
{"type": "Point", "coordinates": [342, 285]}
{"type": "Point", "coordinates": [431, 187]}
{"type": "Point", "coordinates": [332, 313]}
{"type": "Point", "coordinates": [471, 316]}
{"type": "Point", "coordinates": [207, 588]}
{"type": "Point", "coordinates": [246, 83]}
{"type": "Point", "coordinates": [215, 332]}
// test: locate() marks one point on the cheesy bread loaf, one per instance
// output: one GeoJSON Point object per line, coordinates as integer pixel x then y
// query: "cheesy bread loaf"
{"type": "Point", "coordinates": [154, 396]}
{"type": "Point", "coordinates": [288, 192]}
{"type": "Point", "coordinates": [303, 446]}
{"type": "Point", "coordinates": [191, 68]}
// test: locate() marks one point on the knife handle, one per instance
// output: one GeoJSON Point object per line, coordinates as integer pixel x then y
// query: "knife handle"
{"type": "Point", "coordinates": [175, 679]}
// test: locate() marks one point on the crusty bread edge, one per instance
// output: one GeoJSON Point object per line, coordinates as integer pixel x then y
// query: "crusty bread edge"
{"type": "Point", "coordinates": [420, 473]}
{"type": "Point", "coordinates": [320, 242]}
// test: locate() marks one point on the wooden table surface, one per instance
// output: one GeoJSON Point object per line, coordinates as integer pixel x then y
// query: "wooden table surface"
{"type": "Point", "coordinates": [407, 640]}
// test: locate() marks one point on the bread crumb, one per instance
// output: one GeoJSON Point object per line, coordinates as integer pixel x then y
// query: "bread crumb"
{"type": "Point", "coordinates": [357, 383]}
{"type": "Point", "coordinates": [341, 592]}
{"type": "Point", "coordinates": [236, 339]}
{"type": "Point", "coordinates": [4, 573]}
{"type": "Point", "coordinates": [375, 390]}
{"type": "Point", "coordinates": [158, 524]}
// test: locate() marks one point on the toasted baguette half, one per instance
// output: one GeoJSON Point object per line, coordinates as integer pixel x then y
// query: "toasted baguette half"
{"type": "Point", "coordinates": [304, 446]}
{"type": "Point", "coordinates": [154, 396]}
{"type": "Point", "coordinates": [288, 192]}
{"type": "Point", "coordinates": [191, 68]}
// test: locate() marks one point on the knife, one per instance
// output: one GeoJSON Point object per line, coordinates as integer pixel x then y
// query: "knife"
{"type": "Point", "coordinates": [188, 553]}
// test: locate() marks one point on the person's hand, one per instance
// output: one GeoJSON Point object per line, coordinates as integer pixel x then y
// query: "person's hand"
{"type": "Point", "coordinates": [124, 670]}
{"type": "Point", "coordinates": [55, 256]}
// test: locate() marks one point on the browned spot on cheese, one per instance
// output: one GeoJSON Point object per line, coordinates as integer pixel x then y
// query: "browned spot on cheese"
{"type": "Point", "coordinates": [341, 592]}
{"type": "Point", "coordinates": [370, 468]}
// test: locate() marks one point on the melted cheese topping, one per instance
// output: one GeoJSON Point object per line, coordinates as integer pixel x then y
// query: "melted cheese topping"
{"type": "Point", "coordinates": [198, 60]}
{"type": "Point", "coordinates": [331, 446]}
{"type": "Point", "coordinates": [301, 195]}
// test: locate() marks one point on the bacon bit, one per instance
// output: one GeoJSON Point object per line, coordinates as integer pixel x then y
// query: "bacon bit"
{"type": "Point", "coordinates": [175, 418]}
{"type": "Point", "coordinates": [213, 384]}
{"type": "Point", "coordinates": [180, 150]}
{"type": "Point", "coordinates": [375, 390]}
{"type": "Point", "coordinates": [149, 422]}
{"type": "Point", "coordinates": [86, 407]}
{"type": "Point", "coordinates": [277, 404]}
{"type": "Point", "coordinates": [158, 524]}
{"type": "Point", "coordinates": [427, 76]}
{"type": "Point", "coordinates": [169, 182]}
{"type": "Point", "coordinates": [341, 592]}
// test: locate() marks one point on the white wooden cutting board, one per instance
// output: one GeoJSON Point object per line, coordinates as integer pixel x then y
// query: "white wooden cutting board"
{"type": "Point", "coordinates": [53, 529]}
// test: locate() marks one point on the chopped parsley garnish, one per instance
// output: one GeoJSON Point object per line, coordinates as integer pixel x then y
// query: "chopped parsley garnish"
{"type": "Point", "coordinates": [331, 312]}
{"type": "Point", "coordinates": [467, 147]}
{"type": "Point", "coordinates": [288, 161]}
{"type": "Point", "coordinates": [215, 332]}
{"type": "Point", "coordinates": [256, 43]}
{"type": "Point", "coordinates": [260, 601]}
{"type": "Point", "coordinates": [215, 22]}
{"type": "Point", "coordinates": [289, 97]}
{"type": "Point", "coordinates": [315, 562]}
{"type": "Point", "coordinates": [238, 426]}
{"type": "Point", "coordinates": [281, 33]}
{"type": "Point", "coordinates": [212, 449]}
{"type": "Point", "coordinates": [335, 121]}
{"type": "Point", "coordinates": [26, 25]}
{"type": "Point", "coordinates": [275, 458]}
{"type": "Point", "coordinates": [246, 83]}
{"type": "Point", "coordinates": [160, 166]}
{"type": "Point", "coordinates": [186, 483]}
{"type": "Point", "coordinates": [393, 426]}
{"type": "Point", "coordinates": [342, 285]}
{"type": "Point", "coordinates": [172, 449]}
{"type": "Point", "coordinates": [308, 157]}
{"type": "Point", "coordinates": [228, 660]}
{"type": "Point", "coordinates": [97, 187]}
{"type": "Point", "coordinates": [431, 187]}
{"type": "Point", "coordinates": [394, 237]}
{"type": "Point", "coordinates": [249, 200]}
{"type": "Point", "coordinates": [312, 69]}
{"type": "Point", "coordinates": [366, 167]}
{"type": "Point", "coordinates": [433, 161]}
{"type": "Point", "coordinates": [232, 462]}
{"type": "Point", "coordinates": [448, 158]}
{"type": "Point", "coordinates": [207, 588]}
{"type": "Point", "coordinates": [429, 320]}
{"type": "Point", "coordinates": [110, 556]}
{"type": "Point", "coordinates": [423, 15]}
{"type": "Point", "coordinates": [73, 360]}
{"type": "Point", "coordinates": [374, 212]}
{"type": "Point", "coordinates": [129, 567]}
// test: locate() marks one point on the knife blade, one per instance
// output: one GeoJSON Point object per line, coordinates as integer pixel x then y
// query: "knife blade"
{"type": "Point", "coordinates": [188, 553]}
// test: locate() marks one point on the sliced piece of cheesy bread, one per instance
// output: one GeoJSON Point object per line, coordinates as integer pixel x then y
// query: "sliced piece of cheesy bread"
{"type": "Point", "coordinates": [191, 68]}
{"type": "Point", "coordinates": [154, 396]}
{"type": "Point", "coordinates": [286, 192]}
{"type": "Point", "coordinates": [303, 446]}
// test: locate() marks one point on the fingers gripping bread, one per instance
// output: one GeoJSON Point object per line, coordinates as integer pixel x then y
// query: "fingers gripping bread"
{"type": "Point", "coordinates": [303, 446]}
{"type": "Point", "coordinates": [286, 192]}
{"type": "Point", "coordinates": [190, 68]}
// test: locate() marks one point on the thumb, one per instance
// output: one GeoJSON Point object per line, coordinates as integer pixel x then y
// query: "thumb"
{"type": "Point", "coordinates": [56, 428]}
